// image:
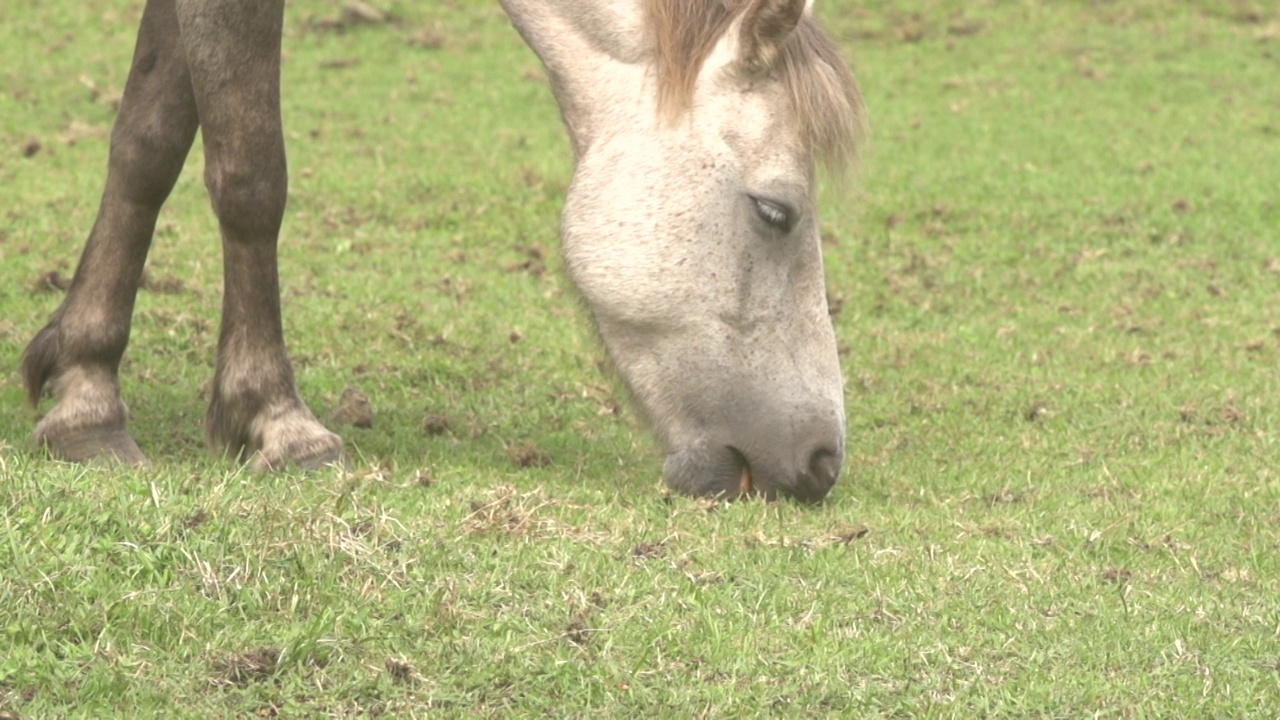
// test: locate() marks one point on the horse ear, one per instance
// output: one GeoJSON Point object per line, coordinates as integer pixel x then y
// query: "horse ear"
{"type": "Point", "coordinates": [764, 29]}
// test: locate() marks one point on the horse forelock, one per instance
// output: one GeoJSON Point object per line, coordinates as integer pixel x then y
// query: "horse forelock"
{"type": "Point", "coordinates": [824, 95]}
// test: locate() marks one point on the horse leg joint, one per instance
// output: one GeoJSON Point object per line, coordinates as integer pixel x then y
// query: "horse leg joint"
{"type": "Point", "coordinates": [248, 196]}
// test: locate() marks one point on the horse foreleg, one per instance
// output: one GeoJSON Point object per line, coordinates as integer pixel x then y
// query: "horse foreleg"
{"type": "Point", "coordinates": [78, 353]}
{"type": "Point", "coordinates": [233, 52]}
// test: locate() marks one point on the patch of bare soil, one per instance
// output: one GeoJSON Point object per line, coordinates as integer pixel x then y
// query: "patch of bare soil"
{"type": "Point", "coordinates": [196, 519]}
{"type": "Point", "coordinates": [528, 455]}
{"type": "Point", "coordinates": [110, 98]}
{"type": "Point", "coordinates": [1228, 417]}
{"type": "Point", "coordinates": [436, 424]}
{"type": "Point", "coordinates": [353, 409]}
{"type": "Point", "coordinates": [503, 512]}
{"type": "Point", "coordinates": [1232, 414]}
{"type": "Point", "coordinates": [166, 285]}
{"type": "Point", "coordinates": [1002, 497]}
{"type": "Point", "coordinates": [401, 672]}
{"type": "Point", "coordinates": [648, 551]}
{"type": "Point", "coordinates": [339, 63]}
{"type": "Point", "coordinates": [354, 13]}
{"type": "Point", "coordinates": [1246, 15]}
{"type": "Point", "coordinates": [582, 626]}
{"type": "Point", "coordinates": [578, 631]}
{"type": "Point", "coordinates": [1038, 411]}
{"type": "Point", "coordinates": [509, 511]}
{"type": "Point", "coordinates": [244, 668]}
{"type": "Point", "coordinates": [534, 263]}
{"type": "Point", "coordinates": [847, 535]}
{"type": "Point", "coordinates": [965, 28]}
{"type": "Point", "coordinates": [75, 131]}
{"type": "Point", "coordinates": [911, 31]}
{"type": "Point", "coordinates": [431, 38]}
{"type": "Point", "coordinates": [534, 73]}
{"type": "Point", "coordinates": [1117, 575]}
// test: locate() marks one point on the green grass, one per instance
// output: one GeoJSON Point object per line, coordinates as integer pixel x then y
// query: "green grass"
{"type": "Point", "coordinates": [1059, 282]}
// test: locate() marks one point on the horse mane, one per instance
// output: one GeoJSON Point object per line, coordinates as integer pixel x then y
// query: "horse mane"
{"type": "Point", "coordinates": [824, 94]}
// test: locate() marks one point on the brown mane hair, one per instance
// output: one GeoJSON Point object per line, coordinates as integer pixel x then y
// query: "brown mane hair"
{"type": "Point", "coordinates": [824, 94]}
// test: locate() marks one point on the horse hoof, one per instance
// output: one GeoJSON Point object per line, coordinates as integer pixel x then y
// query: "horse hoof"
{"type": "Point", "coordinates": [105, 445]}
{"type": "Point", "coordinates": [306, 444]}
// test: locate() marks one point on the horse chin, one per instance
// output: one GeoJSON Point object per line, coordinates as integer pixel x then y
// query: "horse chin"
{"type": "Point", "coordinates": [720, 472]}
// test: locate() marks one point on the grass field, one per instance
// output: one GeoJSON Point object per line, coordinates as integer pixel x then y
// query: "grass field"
{"type": "Point", "coordinates": [1058, 284]}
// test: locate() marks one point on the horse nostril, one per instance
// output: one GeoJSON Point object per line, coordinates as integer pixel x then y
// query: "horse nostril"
{"type": "Point", "coordinates": [820, 474]}
{"type": "Point", "coordinates": [824, 467]}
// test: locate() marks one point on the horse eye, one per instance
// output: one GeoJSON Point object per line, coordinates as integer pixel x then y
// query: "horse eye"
{"type": "Point", "coordinates": [775, 214]}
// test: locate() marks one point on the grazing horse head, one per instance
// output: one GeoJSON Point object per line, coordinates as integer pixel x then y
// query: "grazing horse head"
{"type": "Point", "coordinates": [691, 226]}
{"type": "Point", "coordinates": [690, 229]}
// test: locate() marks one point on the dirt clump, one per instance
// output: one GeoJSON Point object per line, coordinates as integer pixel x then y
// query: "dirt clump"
{"type": "Point", "coordinates": [431, 38]}
{"type": "Point", "coordinates": [355, 12]}
{"type": "Point", "coordinates": [255, 665]}
{"type": "Point", "coordinates": [847, 535]}
{"type": "Point", "coordinates": [578, 632]}
{"type": "Point", "coordinates": [196, 519]}
{"type": "Point", "coordinates": [534, 262]}
{"type": "Point", "coordinates": [52, 281]}
{"type": "Point", "coordinates": [528, 455]}
{"type": "Point", "coordinates": [648, 551]}
{"type": "Point", "coordinates": [402, 673]}
{"type": "Point", "coordinates": [1036, 412]}
{"type": "Point", "coordinates": [167, 285]}
{"type": "Point", "coordinates": [434, 424]}
{"type": "Point", "coordinates": [1117, 575]}
{"type": "Point", "coordinates": [965, 28]}
{"type": "Point", "coordinates": [353, 409]}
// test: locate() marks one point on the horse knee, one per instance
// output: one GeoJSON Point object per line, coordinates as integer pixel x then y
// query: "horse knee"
{"type": "Point", "coordinates": [248, 195]}
{"type": "Point", "coordinates": [147, 157]}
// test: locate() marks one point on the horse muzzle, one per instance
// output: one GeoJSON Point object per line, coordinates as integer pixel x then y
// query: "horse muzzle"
{"type": "Point", "coordinates": [796, 458]}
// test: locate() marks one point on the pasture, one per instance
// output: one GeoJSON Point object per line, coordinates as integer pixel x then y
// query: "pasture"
{"type": "Point", "coordinates": [1056, 286]}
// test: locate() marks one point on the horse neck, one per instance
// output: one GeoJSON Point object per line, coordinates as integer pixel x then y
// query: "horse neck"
{"type": "Point", "coordinates": [595, 55]}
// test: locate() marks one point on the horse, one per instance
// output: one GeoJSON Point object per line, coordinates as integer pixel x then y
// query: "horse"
{"type": "Point", "coordinates": [690, 229]}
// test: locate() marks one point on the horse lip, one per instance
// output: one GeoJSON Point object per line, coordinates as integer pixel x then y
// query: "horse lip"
{"type": "Point", "coordinates": [712, 470]}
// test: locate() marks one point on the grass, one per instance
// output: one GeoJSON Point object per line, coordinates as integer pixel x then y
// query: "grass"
{"type": "Point", "coordinates": [1058, 284]}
